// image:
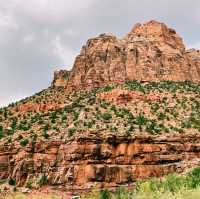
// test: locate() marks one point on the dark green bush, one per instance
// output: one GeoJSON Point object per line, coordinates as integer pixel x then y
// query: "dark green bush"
{"type": "Point", "coordinates": [106, 116]}
{"type": "Point", "coordinates": [45, 134]}
{"type": "Point", "coordinates": [11, 182]}
{"type": "Point", "coordinates": [71, 131]}
{"type": "Point", "coordinates": [105, 194]}
{"type": "Point", "coordinates": [24, 142]}
{"type": "Point", "coordinates": [141, 120]}
{"type": "Point", "coordinates": [1, 132]}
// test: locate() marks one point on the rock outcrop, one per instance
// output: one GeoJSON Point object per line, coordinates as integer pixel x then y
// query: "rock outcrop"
{"type": "Point", "coordinates": [150, 52]}
{"type": "Point", "coordinates": [90, 162]}
{"type": "Point", "coordinates": [60, 78]}
{"type": "Point", "coordinates": [122, 96]}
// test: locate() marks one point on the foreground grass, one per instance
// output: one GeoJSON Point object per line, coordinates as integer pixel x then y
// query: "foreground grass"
{"type": "Point", "coordinates": [181, 194]}
{"type": "Point", "coordinates": [172, 186]}
{"type": "Point", "coordinates": [23, 196]}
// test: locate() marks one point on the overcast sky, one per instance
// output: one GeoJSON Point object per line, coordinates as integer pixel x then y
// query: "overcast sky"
{"type": "Point", "coordinates": [39, 36]}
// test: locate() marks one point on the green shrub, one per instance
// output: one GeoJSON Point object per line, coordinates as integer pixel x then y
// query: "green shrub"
{"type": "Point", "coordinates": [14, 125]}
{"type": "Point", "coordinates": [24, 142]}
{"type": "Point", "coordinates": [193, 178]}
{"type": "Point", "coordinates": [141, 120]}
{"type": "Point", "coordinates": [1, 132]}
{"type": "Point", "coordinates": [71, 131]}
{"type": "Point", "coordinates": [75, 116]}
{"type": "Point", "coordinates": [105, 194]}
{"type": "Point", "coordinates": [106, 116]}
{"type": "Point", "coordinates": [130, 130]}
{"type": "Point", "coordinates": [155, 107]}
{"type": "Point", "coordinates": [152, 127]}
{"type": "Point", "coordinates": [29, 184]}
{"type": "Point", "coordinates": [11, 182]}
{"type": "Point", "coordinates": [42, 180]}
{"type": "Point", "coordinates": [104, 104]}
{"type": "Point", "coordinates": [45, 134]}
{"type": "Point", "coordinates": [46, 127]}
{"type": "Point", "coordinates": [161, 116]}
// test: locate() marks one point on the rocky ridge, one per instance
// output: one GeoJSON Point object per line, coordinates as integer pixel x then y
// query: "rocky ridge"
{"type": "Point", "coordinates": [150, 52]}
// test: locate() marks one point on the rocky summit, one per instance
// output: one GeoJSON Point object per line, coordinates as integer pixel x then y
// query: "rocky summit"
{"type": "Point", "coordinates": [150, 52]}
{"type": "Point", "coordinates": [129, 109]}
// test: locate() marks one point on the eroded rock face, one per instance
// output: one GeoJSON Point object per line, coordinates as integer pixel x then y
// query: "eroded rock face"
{"type": "Point", "coordinates": [93, 162]}
{"type": "Point", "coordinates": [38, 107]}
{"type": "Point", "coordinates": [122, 96]}
{"type": "Point", "coordinates": [60, 78]}
{"type": "Point", "coordinates": [150, 52]}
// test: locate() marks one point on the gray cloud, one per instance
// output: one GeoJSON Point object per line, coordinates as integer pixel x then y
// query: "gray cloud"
{"type": "Point", "coordinates": [39, 36]}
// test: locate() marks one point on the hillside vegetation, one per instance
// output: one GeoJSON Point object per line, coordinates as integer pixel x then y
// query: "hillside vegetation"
{"type": "Point", "coordinates": [52, 114]}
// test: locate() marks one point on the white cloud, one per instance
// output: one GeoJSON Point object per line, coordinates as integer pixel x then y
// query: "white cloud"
{"type": "Point", "coordinates": [52, 9]}
{"type": "Point", "coordinates": [28, 38]}
{"type": "Point", "coordinates": [65, 54]}
{"type": "Point", "coordinates": [7, 22]}
{"type": "Point", "coordinates": [70, 32]}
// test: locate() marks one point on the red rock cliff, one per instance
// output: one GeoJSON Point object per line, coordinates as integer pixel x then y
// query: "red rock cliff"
{"type": "Point", "coordinates": [150, 52]}
{"type": "Point", "coordinates": [93, 162]}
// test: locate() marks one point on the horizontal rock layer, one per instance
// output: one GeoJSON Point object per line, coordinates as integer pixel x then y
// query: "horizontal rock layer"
{"type": "Point", "coordinates": [87, 162]}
